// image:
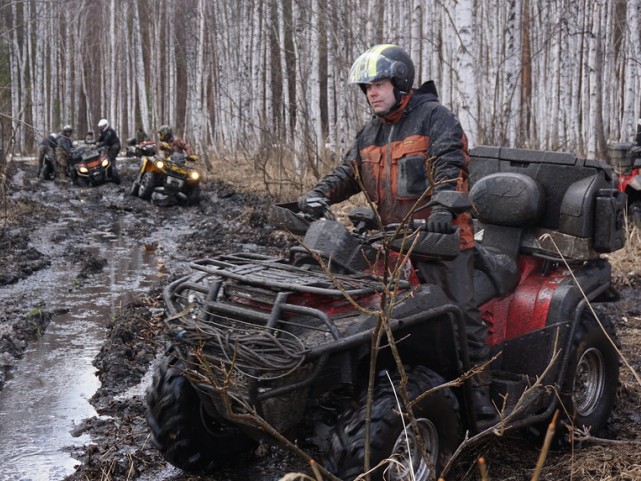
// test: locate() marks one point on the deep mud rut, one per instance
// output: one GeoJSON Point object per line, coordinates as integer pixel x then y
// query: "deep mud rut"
{"type": "Point", "coordinates": [227, 220]}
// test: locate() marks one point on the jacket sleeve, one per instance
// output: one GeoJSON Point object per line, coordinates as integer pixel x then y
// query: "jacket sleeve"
{"type": "Point", "coordinates": [341, 184]}
{"type": "Point", "coordinates": [448, 150]}
{"type": "Point", "coordinates": [182, 146]}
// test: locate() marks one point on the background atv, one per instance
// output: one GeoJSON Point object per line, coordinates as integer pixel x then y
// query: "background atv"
{"type": "Point", "coordinates": [140, 149]}
{"type": "Point", "coordinates": [625, 158]}
{"type": "Point", "coordinates": [90, 166]}
{"type": "Point", "coordinates": [281, 338]}
{"type": "Point", "coordinates": [167, 175]}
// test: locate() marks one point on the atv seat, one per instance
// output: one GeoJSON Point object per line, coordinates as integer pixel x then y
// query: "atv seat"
{"type": "Point", "coordinates": [583, 211]}
{"type": "Point", "coordinates": [505, 203]}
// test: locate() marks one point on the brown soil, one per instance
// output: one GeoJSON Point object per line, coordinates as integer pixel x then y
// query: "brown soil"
{"type": "Point", "coordinates": [227, 219]}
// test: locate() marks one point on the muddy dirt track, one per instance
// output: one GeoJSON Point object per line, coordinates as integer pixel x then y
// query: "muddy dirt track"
{"type": "Point", "coordinates": [227, 220]}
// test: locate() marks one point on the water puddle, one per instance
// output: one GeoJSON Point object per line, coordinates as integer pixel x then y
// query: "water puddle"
{"type": "Point", "coordinates": [49, 392]}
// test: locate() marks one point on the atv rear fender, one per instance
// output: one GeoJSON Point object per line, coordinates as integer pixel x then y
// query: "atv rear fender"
{"type": "Point", "coordinates": [583, 211]}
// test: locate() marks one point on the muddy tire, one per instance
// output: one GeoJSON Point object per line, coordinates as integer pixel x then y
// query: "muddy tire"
{"type": "Point", "coordinates": [47, 172]}
{"type": "Point", "coordinates": [135, 187]}
{"type": "Point", "coordinates": [114, 176]}
{"type": "Point", "coordinates": [147, 185]}
{"type": "Point", "coordinates": [184, 434]}
{"type": "Point", "coordinates": [590, 387]}
{"type": "Point", "coordinates": [437, 416]}
{"type": "Point", "coordinates": [634, 213]}
{"type": "Point", "coordinates": [193, 196]}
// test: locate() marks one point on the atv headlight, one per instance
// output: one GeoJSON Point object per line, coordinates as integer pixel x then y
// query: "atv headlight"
{"type": "Point", "coordinates": [194, 174]}
{"type": "Point", "coordinates": [84, 170]}
{"type": "Point", "coordinates": [105, 162]}
{"type": "Point", "coordinates": [160, 164]}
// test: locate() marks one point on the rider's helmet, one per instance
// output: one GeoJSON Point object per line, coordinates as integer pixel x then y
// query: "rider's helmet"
{"type": "Point", "coordinates": [385, 61]}
{"type": "Point", "coordinates": [53, 136]}
{"type": "Point", "coordinates": [103, 124]}
{"type": "Point", "coordinates": [67, 130]}
{"type": "Point", "coordinates": [165, 133]}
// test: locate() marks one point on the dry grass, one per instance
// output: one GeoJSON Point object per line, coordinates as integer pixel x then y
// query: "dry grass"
{"type": "Point", "coordinates": [626, 263]}
{"type": "Point", "coordinates": [275, 177]}
{"type": "Point", "coordinates": [16, 211]}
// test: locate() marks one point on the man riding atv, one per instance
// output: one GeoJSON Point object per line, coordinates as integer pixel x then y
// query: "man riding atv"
{"type": "Point", "coordinates": [410, 157]}
{"type": "Point", "coordinates": [172, 143]}
{"type": "Point", "coordinates": [164, 170]}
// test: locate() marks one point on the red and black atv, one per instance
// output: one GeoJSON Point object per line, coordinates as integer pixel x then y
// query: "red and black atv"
{"type": "Point", "coordinates": [289, 340]}
{"type": "Point", "coordinates": [90, 166]}
{"type": "Point", "coordinates": [625, 158]}
{"type": "Point", "coordinates": [140, 149]}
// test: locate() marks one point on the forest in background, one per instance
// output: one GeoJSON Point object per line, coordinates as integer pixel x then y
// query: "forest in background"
{"type": "Point", "coordinates": [267, 78]}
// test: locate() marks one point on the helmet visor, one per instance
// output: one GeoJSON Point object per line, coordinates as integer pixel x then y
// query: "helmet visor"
{"type": "Point", "coordinates": [371, 67]}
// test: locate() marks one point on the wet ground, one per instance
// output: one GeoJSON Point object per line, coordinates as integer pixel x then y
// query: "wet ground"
{"type": "Point", "coordinates": [81, 322]}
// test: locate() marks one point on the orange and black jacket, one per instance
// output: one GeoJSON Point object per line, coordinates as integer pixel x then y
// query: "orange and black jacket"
{"type": "Point", "coordinates": [423, 148]}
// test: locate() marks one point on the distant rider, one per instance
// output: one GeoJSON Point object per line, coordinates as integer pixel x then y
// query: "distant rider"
{"type": "Point", "coordinates": [89, 137]}
{"type": "Point", "coordinates": [64, 149]}
{"type": "Point", "coordinates": [141, 136]}
{"type": "Point", "coordinates": [172, 143]}
{"type": "Point", "coordinates": [110, 140]}
{"type": "Point", "coordinates": [47, 147]}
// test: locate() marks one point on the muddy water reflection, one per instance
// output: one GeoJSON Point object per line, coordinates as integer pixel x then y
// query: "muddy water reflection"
{"type": "Point", "coordinates": [49, 392]}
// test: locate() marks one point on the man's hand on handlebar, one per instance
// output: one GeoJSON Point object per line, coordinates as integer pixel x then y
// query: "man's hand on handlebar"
{"type": "Point", "coordinates": [313, 204]}
{"type": "Point", "coordinates": [440, 220]}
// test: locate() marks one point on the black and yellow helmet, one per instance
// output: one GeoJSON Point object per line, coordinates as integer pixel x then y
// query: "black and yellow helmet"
{"type": "Point", "coordinates": [385, 61]}
{"type": "Point", "coordinates": [165, 133]}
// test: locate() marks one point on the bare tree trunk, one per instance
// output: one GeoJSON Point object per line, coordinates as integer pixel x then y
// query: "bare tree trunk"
{"type": "Point", "coordinates": [631, 55]}
{"type": "Point", "coordinates": [18, 87]}
{"type": "Point", "coordinates": [284, 32]}
{"type": "Point", "coordinates": [511, 97]}
{"type": "Point", "coordinates": [468, 102]}
{"type": "Point", "coordinates": [38, 86]}
{"type": "Point", "coordinates": [139, 71]}
{"type": "Point", "coordinates": [596, 140]}
{"type": "Point", "coordinates": [314, 100]}
{"type": "Point", "coordinates": [110, 64]}
{"type": "Point", "coordinates": [526, 78]}
{"type": "Point", "coordinates": [170, 68]}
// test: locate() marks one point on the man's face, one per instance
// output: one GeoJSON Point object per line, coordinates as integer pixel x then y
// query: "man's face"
{"type": "Point", "coordinates": [381, 96]}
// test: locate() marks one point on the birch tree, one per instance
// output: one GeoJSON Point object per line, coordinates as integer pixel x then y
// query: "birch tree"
{"type": "Point", "coordinates": [230, 76]}
{"type": "Point", "coordinates": [139, 71]}
{"type": "Point", "coordinates": [468, 105]}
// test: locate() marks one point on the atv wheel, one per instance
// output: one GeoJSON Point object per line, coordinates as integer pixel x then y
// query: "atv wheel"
{"type": "Point", "coordinates": [193, 196]}
{"type": "Point", "coordinates": [47, 172]}
{"type": "Point", "coordinates": [114, 176]}
{"type": "Point", "coordinates": [185, 435]}
{"type": "Point", "coordinates": [590, 387]}
{"type": "Point", "coordinates": [634, 213]}
{"type": "Point", "coordinates": [147, 185]}
{"type": "Point", "coordinates": [437, 417]}
{"type": "Point", "coordinates": [134, 188]}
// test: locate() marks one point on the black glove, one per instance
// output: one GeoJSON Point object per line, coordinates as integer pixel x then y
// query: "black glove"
{"type": "Point", "coordinates": [440, 220]}
{"type": "Point", "coordinates": [312, 203]}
